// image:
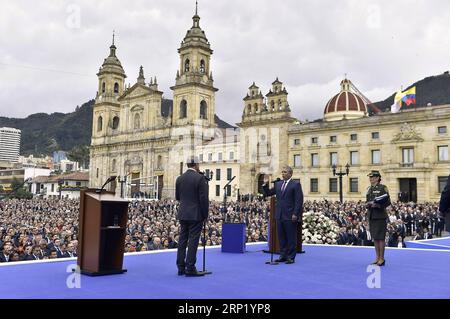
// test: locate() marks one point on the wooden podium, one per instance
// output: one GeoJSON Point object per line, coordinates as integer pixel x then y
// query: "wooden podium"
{"type": "Point", "coordinates": [102, 229]}
{"type": "Point", "coordinates": [274, 243]}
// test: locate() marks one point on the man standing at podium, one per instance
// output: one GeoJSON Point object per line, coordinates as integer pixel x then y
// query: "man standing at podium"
{"type": "Point", "coordinates": [288, 212]}
{"type": "Point", "coordinates": [191, 190]}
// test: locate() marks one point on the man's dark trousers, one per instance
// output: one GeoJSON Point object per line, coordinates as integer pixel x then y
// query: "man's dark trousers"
{"type": "Point", "coordinates": [189, 237]}
{"type": "Point", "coordinates": [287, 234]}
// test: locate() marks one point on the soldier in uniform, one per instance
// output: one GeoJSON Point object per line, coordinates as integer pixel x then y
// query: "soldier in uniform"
{"type": "Point", "coordinates": [377, 200]}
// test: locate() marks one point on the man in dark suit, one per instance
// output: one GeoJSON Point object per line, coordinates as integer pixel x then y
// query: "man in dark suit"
{"type": "Point", "coordinates": [191, 190]}
{"type": "Point", "coordinates": [444, 204]}
{"type": "Point", "coordinates": [289, 211]}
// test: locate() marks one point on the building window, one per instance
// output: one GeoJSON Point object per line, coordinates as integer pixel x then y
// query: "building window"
{"type": "Point", "coordinates": [408, 156]}
{"type": "Point", "coordinates": [442, 130]}
{"type": "Point", "coordinates": [442, 181]}
{"type": "Point", "coordinates": [209, 157]}
{"type": "Point", "coordinates": [217, 190]}
{"type": "Point", "coordinates": [218, 174]}
{"type": "Point", "coordinates": [103, 87]}
{"type": "Point", "coordinates": [200, 157]}
{"type": "Point", "coordinates": [354, 158]}
{"type": "Point", "coordinates": [186, 65]}
{"type": "Point", "coordinates": [53, 188]}
{"type": "Point", "coordinates": [219, 157]}
{"type": "Point", "coordinates": [376, 157]}
{"type": "Point", "coordinates": [375, 135]}
{"type": "Point", "coordinates": [159, 162]}
{"type": "Point", "coordinates": [333, 185]}
{"type": "Point", "coordinates": [443, 153]}
{"type": "Point", "coordinates": [115, 124]}
{"type": "Point", "coordinates": [297, 141]}
{"type": "Point", "coordinates": [116, 87]}
{"type": "Point", "coordinates": [137, 121]}
{"type": "Point", "coordinates": [97, 172]}
{"type": "Point", "coordinates": [315, 160]}
{"type": "Point", "coordinates": [297, 160]}
{"type": "Point", "coordinates": [333, 158]}
{"type": "Point", "coordinates": [228, 190]}
{"type": "Point", "coordinates": [231, 155]}
{"type": "Point", "coordinates": [333, 139]}
{"type": "Point", "coordinates": [113, 166]}
{"type": "Point", "coordinates": [353, 185]}
{"type": "Point", "coordinates": [203, 110]}
{"type": "Point", "coordinates": [78, 184]}
{"type": "Point", "coordinates": [202, 66]}
{"type": "Point", "coordinates": [183, 109]}
{"type": "Point", "coordinates": [314, 140]}
{"type": "Point", "coordinates": [314, 185]}
{"type": "Point", "coordinates": [229, 174]}
{"type": "Point", "coordinates": [353, 137]}
{"type": "Point", "coordinates": [181, 168]}
{"type": "Point", "coordinates": [99, 124]}
{"type": "Point", "coordinates": [207, 173]}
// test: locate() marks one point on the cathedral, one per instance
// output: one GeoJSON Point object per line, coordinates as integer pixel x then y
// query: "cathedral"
{"type": "Point", "coordinates": [144, 139]}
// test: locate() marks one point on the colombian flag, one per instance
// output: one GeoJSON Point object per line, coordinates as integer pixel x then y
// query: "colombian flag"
{"type": "Point", "coordinates": [409, 96]}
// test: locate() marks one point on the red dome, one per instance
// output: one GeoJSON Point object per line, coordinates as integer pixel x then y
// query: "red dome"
{"type": "Point", "coordinates": [346, 101]}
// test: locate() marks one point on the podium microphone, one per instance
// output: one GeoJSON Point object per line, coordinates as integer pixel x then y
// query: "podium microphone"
{"type": "Point", "coordinates": [109, 180]}
{"type": "Point", "coordinates": [277, 180]}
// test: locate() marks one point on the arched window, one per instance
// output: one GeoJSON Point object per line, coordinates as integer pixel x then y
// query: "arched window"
{"type": "Point", "coordinates": [137, 121]}
{"type": "Point", "coordinates": [103, 87]}
{"type": "Point", "coordinates": [272, 106]}
{"type": "Point", "coordinates": [202, 66]}
{"type": "Point", "coordinates": [183, 109]}
{"type": "Point", "coordinates": [249, 109]}
{"type": "Point", "coordinates": [113, 166]}
{"type": "Point", "coordinates": [186, 65]}
{"type": "Point", "coordinates": [256, 108]}
{"type": "Point", "coordinates": [116, 87]}
{"type": "Point", "coordinates": [203, 110]}
{"type": "Point", "coordinates": [279, 105]}
{"type": "Point", "coordinates": [99, 124]}
{"type": "Point", "coordinates": [115, 124]}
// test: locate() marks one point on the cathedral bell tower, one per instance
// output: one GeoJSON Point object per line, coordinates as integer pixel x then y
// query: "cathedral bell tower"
{"type": "Point", "coordinates": [111, 84]}
{"type": "Point", "coordinates": [193, 92]}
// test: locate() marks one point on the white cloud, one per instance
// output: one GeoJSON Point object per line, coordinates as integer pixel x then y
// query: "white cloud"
{"type": "Point", "coordinates": [309, 45]}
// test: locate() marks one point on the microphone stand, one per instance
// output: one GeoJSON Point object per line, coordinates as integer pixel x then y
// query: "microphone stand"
{"type": "Point", "coordinates": [272, 243]}
{"type": "Point", "coordinates": [204, 271]}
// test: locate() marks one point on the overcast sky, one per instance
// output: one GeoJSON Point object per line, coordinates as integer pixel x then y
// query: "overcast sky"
{"type": "Point", "coordinates": [51, 50]}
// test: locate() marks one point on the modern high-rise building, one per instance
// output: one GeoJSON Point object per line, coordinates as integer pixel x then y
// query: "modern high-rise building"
{"type": "Point", "coordinates": [9, 144]}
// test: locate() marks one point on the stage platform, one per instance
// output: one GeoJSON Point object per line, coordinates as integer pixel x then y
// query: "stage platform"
{"type": "Point", "coordinates": [438, 243]}
{"type": "Point", "coordinates": [322, 272]}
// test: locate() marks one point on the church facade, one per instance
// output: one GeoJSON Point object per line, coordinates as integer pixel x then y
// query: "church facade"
{"type": "Point", "coordinates": [140, 138]}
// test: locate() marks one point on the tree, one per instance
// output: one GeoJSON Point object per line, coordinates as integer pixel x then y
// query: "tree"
{"type": "Point", "coordinates": [18, 190]}
{"type": "Point", "coordinates": [80, 154]}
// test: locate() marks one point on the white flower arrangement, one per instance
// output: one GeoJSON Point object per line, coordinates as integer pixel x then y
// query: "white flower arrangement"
{"type": "Point", "coordinates": [319, 229]}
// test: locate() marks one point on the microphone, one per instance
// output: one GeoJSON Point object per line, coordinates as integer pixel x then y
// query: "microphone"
{"type": "Point", "coordinates": [109, 180]}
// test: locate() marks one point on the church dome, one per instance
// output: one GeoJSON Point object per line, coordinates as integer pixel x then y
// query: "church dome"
{"type": "Point", "coordinates": [195, 36]}
{"type": "Point", "coordinates": [345, 105]}
{"type": "Point", "coordinates": [112, 64]}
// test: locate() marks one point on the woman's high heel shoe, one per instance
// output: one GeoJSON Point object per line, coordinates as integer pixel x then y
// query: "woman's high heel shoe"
{"type": "Point", "coordinates": [382, 264]}
{"type": "Point", "coordinates": [375, 263]}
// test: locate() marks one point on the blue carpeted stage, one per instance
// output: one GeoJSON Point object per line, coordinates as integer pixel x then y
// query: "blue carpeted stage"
{"type": "Point", "coordinates": [323, 272]}
{"type": "Point", "coordinates": [438, 243]}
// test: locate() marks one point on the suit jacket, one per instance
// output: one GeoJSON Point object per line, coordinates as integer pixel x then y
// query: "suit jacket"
{"type": "Point", "coordinates": [289, 202]}
{"type": "Point", "coordinates": [191, 189]}
{"type": "Point", "coordinates": [3, 258]}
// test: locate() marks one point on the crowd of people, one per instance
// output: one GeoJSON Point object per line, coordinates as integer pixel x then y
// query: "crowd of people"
{"type": "Point", "coordinates": [48, 228]}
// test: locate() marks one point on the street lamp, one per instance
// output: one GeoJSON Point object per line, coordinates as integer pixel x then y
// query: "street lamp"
{"type": "Point", "coordinates": [340, 174]}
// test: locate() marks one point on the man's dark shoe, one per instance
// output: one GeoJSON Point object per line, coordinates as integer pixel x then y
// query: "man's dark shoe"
{"type": "Point", "coordinates": [280, 260]}
{"type": "Point", "coordinates": [194, 274]}
{"type": "Point", "coordinates": [181, 272]}
{"type": "Point", "coordinates": [290, 261]}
